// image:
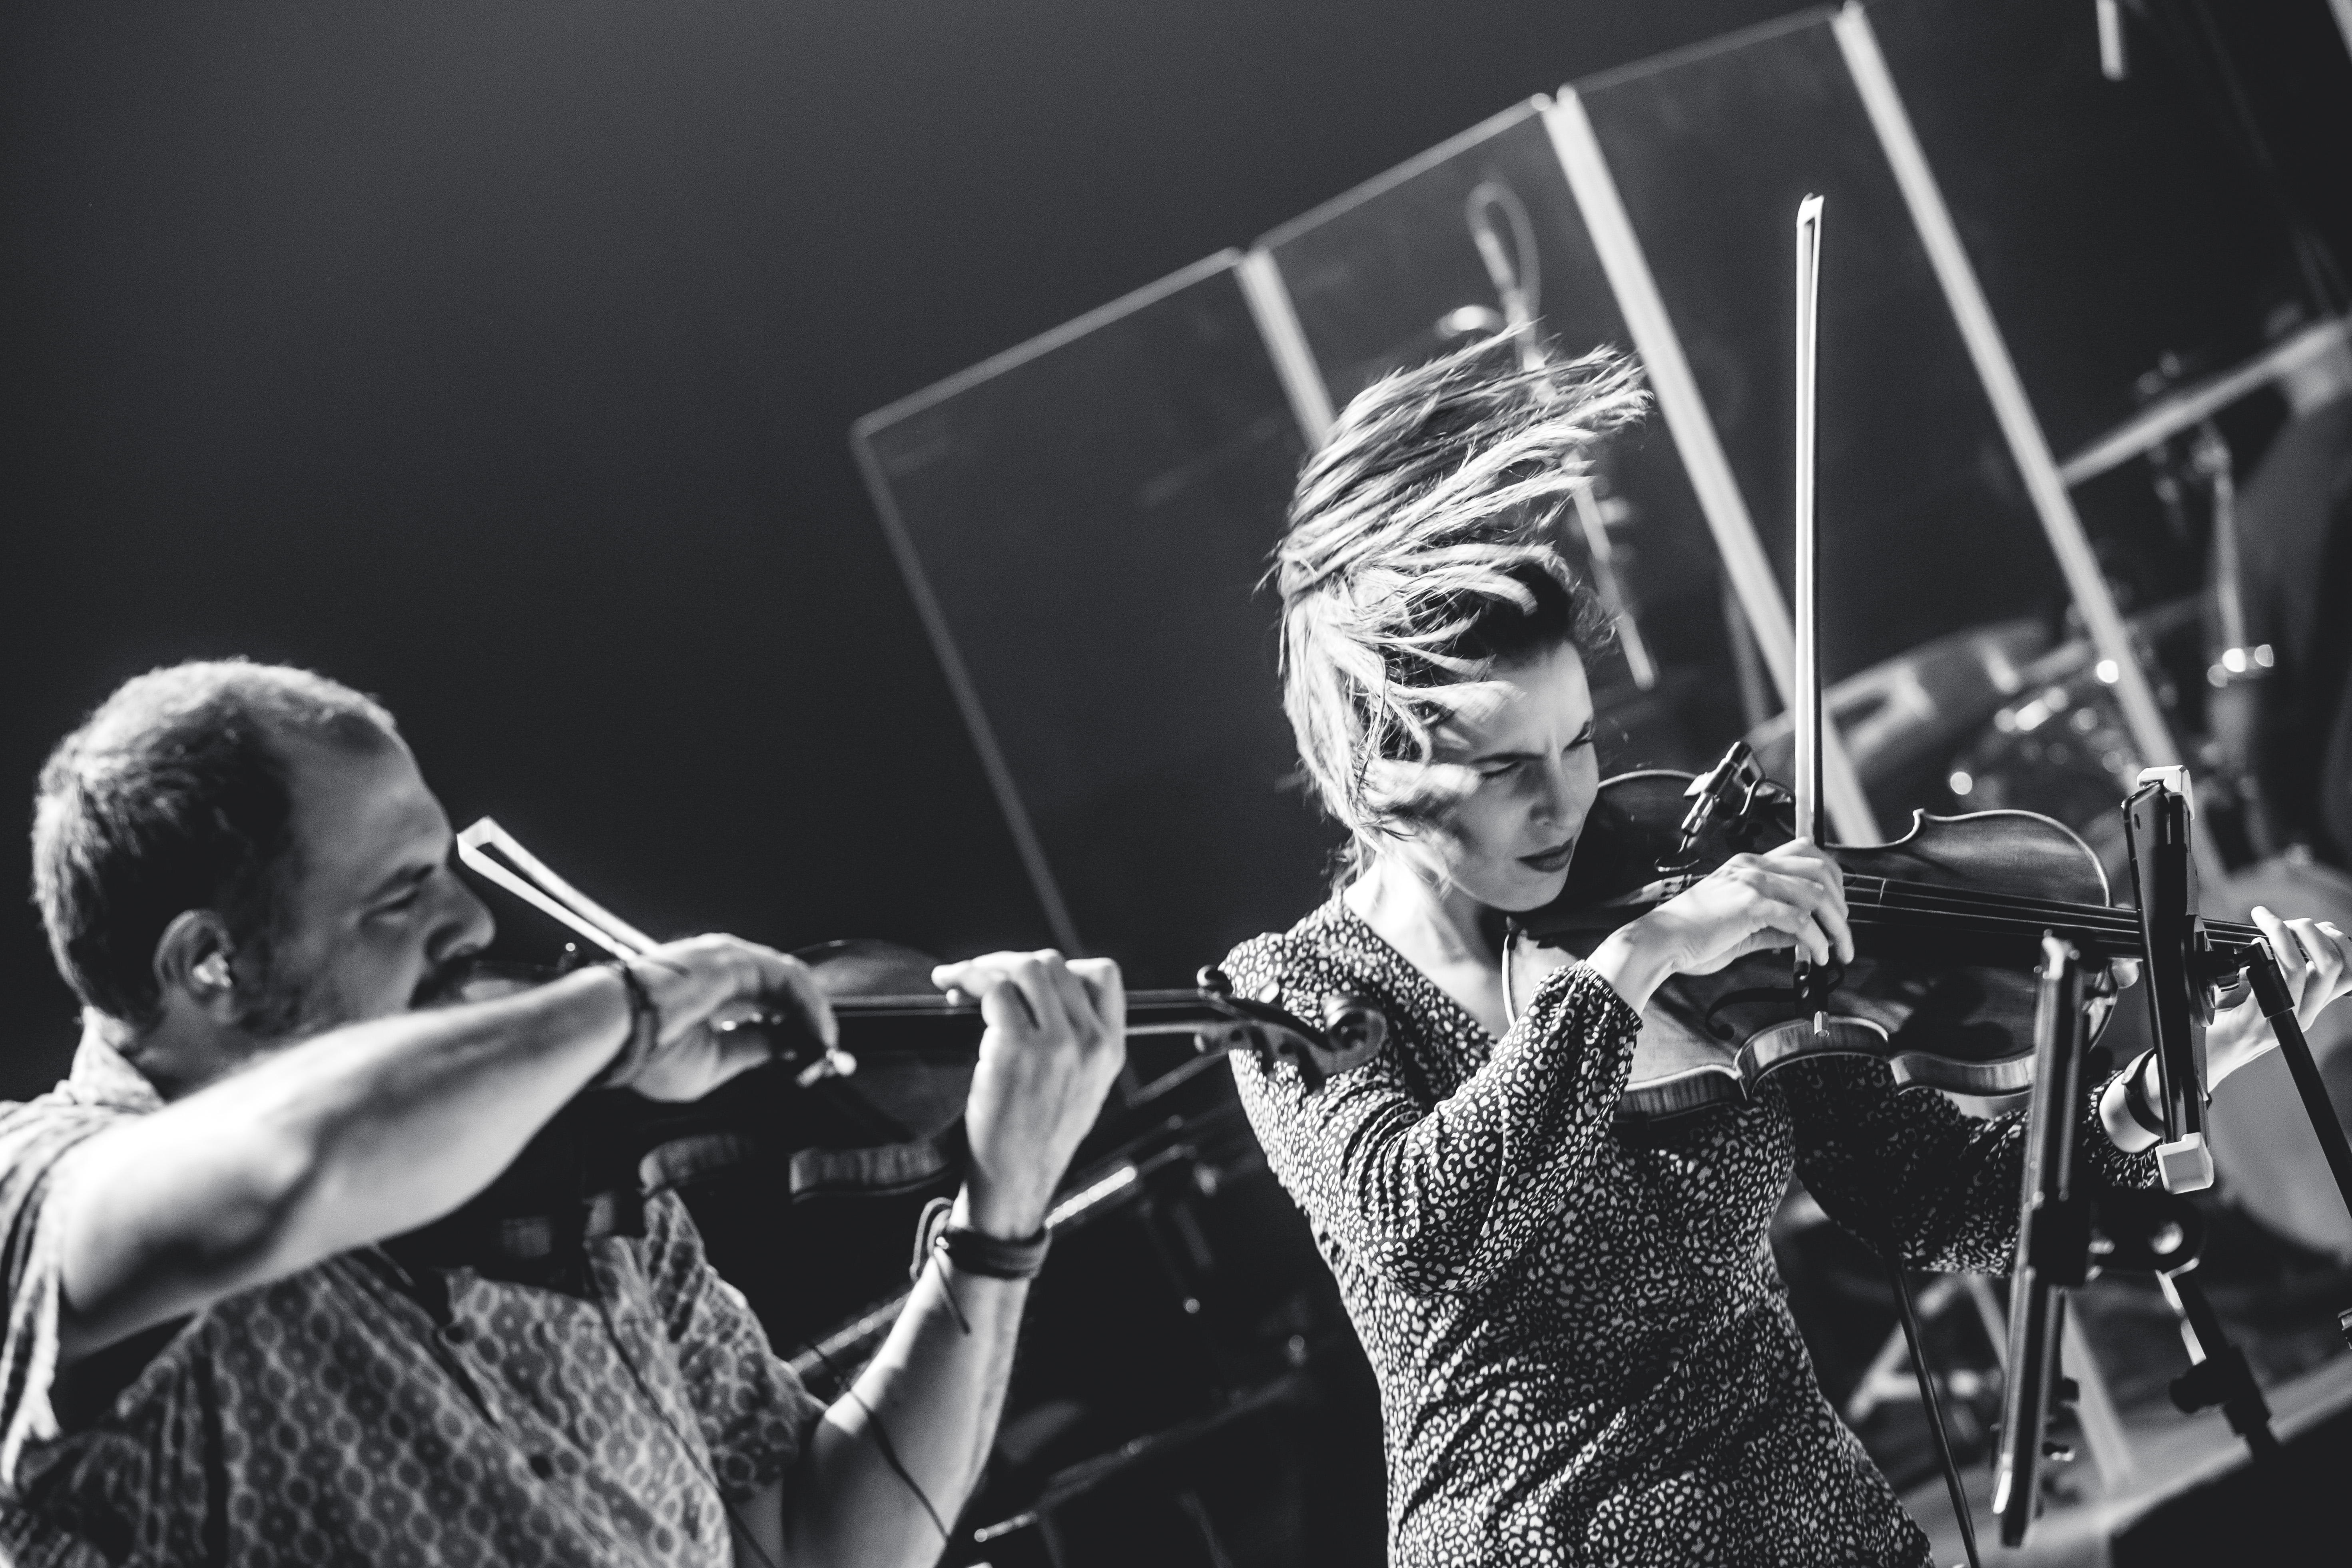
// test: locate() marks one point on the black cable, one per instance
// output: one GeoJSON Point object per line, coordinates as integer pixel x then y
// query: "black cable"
{"type": "Point", "coordinates": [1892, 1253]}
{"type": "Point", "coordinates": [2318, 262]}
{"type": "Point", "coordinates": [2197, 51]}
{"type": "Point", "coordinates": [882, 1441]}
{"type": "Point", "coordinates": [882, 1433]}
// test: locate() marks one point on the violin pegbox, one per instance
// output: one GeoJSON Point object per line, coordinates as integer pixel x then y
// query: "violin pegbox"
{"type": "Point", "coordinates": [1352, 1031]}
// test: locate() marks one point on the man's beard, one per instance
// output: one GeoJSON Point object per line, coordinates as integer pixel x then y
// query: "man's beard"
{"type": "Point", "coordinates": [285, 1005]}
{"type": "Point", "coordinates": [281, 1003]}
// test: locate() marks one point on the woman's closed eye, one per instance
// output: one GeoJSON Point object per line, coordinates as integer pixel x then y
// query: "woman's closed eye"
{"type": "Point", "coordinates": [1508, 763]}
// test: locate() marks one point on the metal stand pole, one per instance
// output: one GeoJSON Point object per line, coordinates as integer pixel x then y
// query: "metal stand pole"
{"type": "Point", "coordinates": [2220, 1374]}
{"type": "Point", "coordinates": [2278, 1007]}
{"type": "Point", "coordinates": [2053, 1242]}
{"type": "Point", "coordinates": [1892, 1253]}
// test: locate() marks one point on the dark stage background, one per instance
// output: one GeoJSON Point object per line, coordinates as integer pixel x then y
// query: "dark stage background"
{"type": "Point", "coordinates": [498, 359]}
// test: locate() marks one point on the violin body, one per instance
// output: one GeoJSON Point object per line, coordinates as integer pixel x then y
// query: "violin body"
{"type": "Point", "coordinates": [1945, 999]}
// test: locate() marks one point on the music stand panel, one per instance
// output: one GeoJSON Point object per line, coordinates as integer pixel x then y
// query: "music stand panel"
{"type": "Point", "coordinates": [1925, 524]}
{"type": "Point", "coordinates": [1084, 522]}
{"type": "Point", "coordinates": [1383, 276]}
{"type": "Point", "coordinates": [2110, 223]}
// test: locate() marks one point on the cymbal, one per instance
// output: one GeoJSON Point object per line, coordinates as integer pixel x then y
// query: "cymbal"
{"type": "Point", "coordinates": [2191, 405]}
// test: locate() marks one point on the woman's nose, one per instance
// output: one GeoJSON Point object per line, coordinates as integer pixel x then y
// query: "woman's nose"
{"type": "Point", "coordinates": [1555, 788]}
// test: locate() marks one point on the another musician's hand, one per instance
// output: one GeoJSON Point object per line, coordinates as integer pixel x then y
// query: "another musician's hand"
{"type": "Point", "coordinates": [700, 986]}
{"type": "Point", "coordinates": [1793, 897]}
{"type": "Point", "coordinates": [1056, 1038]}
{"type": "Point", "coordinates": [2315, 958]}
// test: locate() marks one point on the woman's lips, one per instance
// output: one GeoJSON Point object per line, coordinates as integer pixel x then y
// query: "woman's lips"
{"type": "Point", "coordinates": [1550, 860]}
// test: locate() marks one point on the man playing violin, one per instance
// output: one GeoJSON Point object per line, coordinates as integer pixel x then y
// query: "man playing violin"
{"type": "Point", "coordinates": [208, 1357]}
{"type": "Point", "coordinates": [1584, 1349]}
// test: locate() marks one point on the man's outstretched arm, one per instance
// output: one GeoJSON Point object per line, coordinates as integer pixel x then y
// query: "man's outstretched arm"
{"type": "Point", "coordinates": [369, 1131]}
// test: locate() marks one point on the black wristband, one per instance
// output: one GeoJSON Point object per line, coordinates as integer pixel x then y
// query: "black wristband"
{"type": "Point", "coordinates": [975, 1251]}
{"type": "Point", "coordinates": [644, 1031]}
{"type": "Point", "coordinates": [2136, 1103]}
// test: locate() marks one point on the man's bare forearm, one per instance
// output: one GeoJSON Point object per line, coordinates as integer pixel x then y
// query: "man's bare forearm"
{"type": "Point", "coordinates": [937, 1392]}
{"type": "Point", "coordinates": [358, 1135]}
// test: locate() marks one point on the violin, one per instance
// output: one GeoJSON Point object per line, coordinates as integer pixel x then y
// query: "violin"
{"type": "Point", "coordinates": [1948, 920]}
{"type": "Point", "coordinates": [877, 1114]}
{"type": "Point", "coordinates": [1947, 925]}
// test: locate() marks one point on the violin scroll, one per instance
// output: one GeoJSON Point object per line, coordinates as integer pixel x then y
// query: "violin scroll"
{"type": "Point", "coordinates": [1353, 1029]}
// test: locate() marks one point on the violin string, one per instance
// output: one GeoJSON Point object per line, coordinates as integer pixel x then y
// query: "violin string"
{"type": "Point", "coordinates": [2002, 902]}
{"type": "Point", "coordinates": [2104, 917]}
{"type": "Point", "coordinates": [1142, 1007]}
{"type": "Point", "coordinates": [2125, 936]}
{"type": "Point", "coordinates": [2123, 926]}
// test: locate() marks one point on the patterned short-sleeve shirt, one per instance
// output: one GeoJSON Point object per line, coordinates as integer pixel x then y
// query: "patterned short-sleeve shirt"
{"type": "Point", "coordinates": [355, 1413]}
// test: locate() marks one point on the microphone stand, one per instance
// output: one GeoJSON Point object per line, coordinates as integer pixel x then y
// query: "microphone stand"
{"type": "Point", "coordinates": [2067, 1233]}
{"type": "Point", "coordinates": [2185, 970]}
{"type": "Point", "coordinates": [2053, 1243]}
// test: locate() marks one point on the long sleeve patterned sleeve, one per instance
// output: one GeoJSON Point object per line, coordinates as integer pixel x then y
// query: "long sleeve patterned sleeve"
{"type": "Point", "coordinates": [1907, 1164]}
{"type": "Point", "coordinates": [1438, 1186]}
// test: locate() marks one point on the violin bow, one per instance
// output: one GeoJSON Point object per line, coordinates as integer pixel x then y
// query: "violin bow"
{"type": "Point", "coordinates": [1808, 713]}
{"type": "Point", "coordinates": [495, 854]}
{"type": "Point", "coordinates": [1814, 984]}
{"type": "Point", "coordinates": [1813, 987]}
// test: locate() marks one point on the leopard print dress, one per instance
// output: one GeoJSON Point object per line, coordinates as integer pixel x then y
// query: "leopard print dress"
{"type": "Point", "coordinates": [1584, 1349]}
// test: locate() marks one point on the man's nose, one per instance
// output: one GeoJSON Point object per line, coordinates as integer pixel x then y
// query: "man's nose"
{"type": "Point", "coordinates": [466, 921]}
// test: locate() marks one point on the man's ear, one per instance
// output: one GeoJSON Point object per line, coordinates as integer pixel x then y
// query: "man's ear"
{"type": "Point", "coordinates": [193, 958]}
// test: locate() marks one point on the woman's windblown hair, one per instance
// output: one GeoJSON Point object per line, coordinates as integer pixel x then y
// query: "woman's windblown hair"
{"type": "Point", "coordinates": [1419, 555]}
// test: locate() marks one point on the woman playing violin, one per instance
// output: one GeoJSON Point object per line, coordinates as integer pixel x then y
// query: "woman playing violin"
{"type": "Point", "coordinates": [1585, 1350]}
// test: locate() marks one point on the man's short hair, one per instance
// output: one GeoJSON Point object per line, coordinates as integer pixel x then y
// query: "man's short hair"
{"type": "Point", "coordinates": [173, 796]}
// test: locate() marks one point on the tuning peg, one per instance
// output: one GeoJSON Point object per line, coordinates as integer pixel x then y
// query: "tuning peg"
{"type": "Point", "coordinates": [1355, 1024]}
